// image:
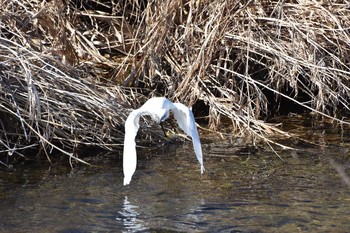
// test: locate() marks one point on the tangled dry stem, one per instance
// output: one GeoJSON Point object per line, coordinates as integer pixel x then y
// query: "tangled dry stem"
{"type": "Point", "coordinates": [71, 70]}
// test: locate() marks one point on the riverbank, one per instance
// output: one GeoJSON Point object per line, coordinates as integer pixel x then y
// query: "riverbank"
{"type": "Point", "coordinates": [71, 71]}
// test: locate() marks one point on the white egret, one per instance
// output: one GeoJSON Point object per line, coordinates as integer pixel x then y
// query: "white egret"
{"type": "Point", "coordinates": [158, 108]}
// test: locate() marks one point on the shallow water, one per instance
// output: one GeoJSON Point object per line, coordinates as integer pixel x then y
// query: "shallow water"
{"type": "Point", "coordinates": [242, 190]}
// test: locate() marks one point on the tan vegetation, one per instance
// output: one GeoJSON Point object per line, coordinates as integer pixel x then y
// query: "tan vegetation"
{"type": "Point", "coordinates": [71, 70]}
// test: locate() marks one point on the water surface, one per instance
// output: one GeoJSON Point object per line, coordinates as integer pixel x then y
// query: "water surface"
{"type": "Point", "coordinates": [244, 189]}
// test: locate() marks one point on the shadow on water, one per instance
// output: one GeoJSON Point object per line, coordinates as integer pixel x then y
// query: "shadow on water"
{"type": "Point", "coordinates": [242, 190]}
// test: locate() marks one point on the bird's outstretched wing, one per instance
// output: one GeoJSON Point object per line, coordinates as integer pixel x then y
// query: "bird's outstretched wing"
{"type": "Point", "coordinates": [186, 122]}
{"type": "Point", "coordinates": [129, 152]}
{"type": "Point", "coordinates": [154, 108]}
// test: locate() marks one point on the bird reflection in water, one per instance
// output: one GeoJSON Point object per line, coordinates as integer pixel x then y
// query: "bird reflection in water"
{"type": "Point", "coordinates": [129, 217]}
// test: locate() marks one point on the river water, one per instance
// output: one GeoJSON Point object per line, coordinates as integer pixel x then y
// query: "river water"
{"type": "Point", "coordinates": [244, 189]}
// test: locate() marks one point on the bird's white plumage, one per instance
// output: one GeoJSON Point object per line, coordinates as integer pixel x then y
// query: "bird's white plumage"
{"type": "Point", "coordinates": [158, 108]}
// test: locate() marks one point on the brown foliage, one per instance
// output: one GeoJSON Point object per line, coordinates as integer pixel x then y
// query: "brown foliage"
{"type": "Point", "coordinates": [71, 69]}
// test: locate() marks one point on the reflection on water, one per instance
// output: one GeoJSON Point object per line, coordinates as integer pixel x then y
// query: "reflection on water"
{"type": "Point", "coordinates": [128, 216]}
{"type": "Point", "coordinates": [242, 190]}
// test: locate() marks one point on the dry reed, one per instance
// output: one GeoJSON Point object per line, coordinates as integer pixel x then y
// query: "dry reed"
{"type": "Point", "coordinates": [71, 70]}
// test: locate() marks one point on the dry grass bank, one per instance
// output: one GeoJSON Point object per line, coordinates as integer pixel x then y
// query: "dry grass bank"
{"type": "Point", "coordinates": [70, 70]}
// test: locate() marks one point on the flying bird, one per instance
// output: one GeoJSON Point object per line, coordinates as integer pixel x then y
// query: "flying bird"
{"type": "Point", "coordinates": [158, 108]}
